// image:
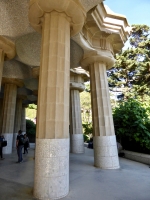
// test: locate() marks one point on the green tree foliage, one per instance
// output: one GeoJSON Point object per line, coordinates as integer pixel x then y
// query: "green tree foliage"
{"type": "Point", "coordinates": [87, 130]}
{"type": "Point", "coordinates": [131, 73]}
{"type": "Point", "coordinates": [86, 112]}
{"type": "Point", "coordinates": [30, 127]}
{"type": "Point", "coordinates": [85, 99]}
{"type": "Point", "coordinates": [132, 125]}
{"type": "Point", "coordinates": [31, 111]}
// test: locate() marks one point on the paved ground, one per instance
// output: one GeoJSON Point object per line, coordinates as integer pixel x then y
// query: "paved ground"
{"type": "Point", "coordinates": [130, 182]}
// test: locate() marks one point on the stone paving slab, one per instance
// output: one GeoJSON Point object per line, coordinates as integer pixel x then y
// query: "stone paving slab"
{"type": "Point", "coordinates": [130, 182]}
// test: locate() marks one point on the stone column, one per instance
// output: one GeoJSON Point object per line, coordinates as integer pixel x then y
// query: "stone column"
{"type": "Point", "coordinates": [105, 148]}
{"type": "Point", "coordinates": [23, 119]}
{"type": "Point", "coordinates": [7, 52]}
{"type": "Point", "coordinates": [1, 64]}
{"type": "Point", "coordinates": [52, 136]}
{"type": "Point", "coordinates": [76, 134]}
{"type": "Point", "coordinates": [9, 105]}
{"type": "Point", "coordinates": [17, 125]}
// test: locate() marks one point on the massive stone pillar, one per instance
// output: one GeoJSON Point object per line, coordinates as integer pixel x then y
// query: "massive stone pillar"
{"type": "Point", "coordinates": [9, 105]}
{"type": "Point", "coordinates": [7, 52]}
{"type": "Point", "coordinates": [23, 118]}
{"type": "Point", "coordinates": [52, 136]}
{"type": "Point", "coordinates": [105, 148]}
{"type": "Point", "coordinates": [77, 77]}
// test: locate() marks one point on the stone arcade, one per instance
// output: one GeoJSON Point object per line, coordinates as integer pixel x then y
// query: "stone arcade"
{"type": "Point", "coordinates": [45, 48]}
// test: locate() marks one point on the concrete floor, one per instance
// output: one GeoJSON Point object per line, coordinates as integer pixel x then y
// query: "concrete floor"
{"type": "Point", "coordinates": [130, 182]}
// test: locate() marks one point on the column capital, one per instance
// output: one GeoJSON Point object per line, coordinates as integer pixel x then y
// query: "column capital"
{"type": "Point", "coordinates": [73, 9]}
{"type": "Point", "coordinates": [35, 72]}
{"type": "Point", "coordinates": [8, 47]}
{"type": "Point", "coordinates": [14, 81]}
{"type": "Point", "coordinates": [77, 86]}
{"type": "Point", "coordinates": [23, 92]}
{"type": "Point", "coordinates": [101, 56]}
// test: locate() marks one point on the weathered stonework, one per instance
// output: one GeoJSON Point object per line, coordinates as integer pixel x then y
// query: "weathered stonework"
{"type": "Point", "coordinates": [53, 157]}
{"type": "Point", "coordinates": [105, 152]}
{"type": "Point", "coordinates": [76, 143]}
{"type": "Point", "coordinates": [9, 105]}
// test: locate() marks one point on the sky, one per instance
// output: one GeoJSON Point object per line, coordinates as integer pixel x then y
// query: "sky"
{"type": "Point", "coordinates": [136, 11]}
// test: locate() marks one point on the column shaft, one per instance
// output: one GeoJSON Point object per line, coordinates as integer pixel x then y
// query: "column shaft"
{"type": "Point", "coordinates": [52, 143]}
{"type": "Point", "coordinates": [105, 149]}
{"type": "Point", "coordinates": [23, 120]}
{"type": "Point", "coordinates": [17, 125]}
{"type": "Point", "coordinates": [9, 106]}
{"type": "Point", "coordinates": [76, 134]}
{"type": "Point", "coordinates": [1, 65]}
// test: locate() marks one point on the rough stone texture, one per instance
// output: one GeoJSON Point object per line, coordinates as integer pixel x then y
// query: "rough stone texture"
{"type": "Point", "coordinates": [76, 143]}
{"type": "Point", "coordinates": [88, 4]}
{"type": "Point", "coordinates": [105, 152]}
{"type": "Point", "coordinates": [72, 9]}
{"type": "Point", "coordinates": [51, 180]}
{"type": "Point", "coordinates": [17, 123]}
{"type": "Point", "coordinates": [76, 54]}
{"type": "Point", "coordinates": [14, 18]}
{"type": "Point", "coordinates": [17, 70]}
{"type": "Point", "coordinates": [101, 108]}
{"type": "Point", "coordinates": [28, 49]}
{"type": "Point", "coordinates": [9, 105]}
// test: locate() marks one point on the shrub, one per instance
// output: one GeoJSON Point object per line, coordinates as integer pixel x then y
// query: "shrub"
{"type": "Point", "coordinates": [87, 131]}
{"type": "Point", "coordinates": [31, 130]}
{"type": "Point", "coordinates": [132, 125]}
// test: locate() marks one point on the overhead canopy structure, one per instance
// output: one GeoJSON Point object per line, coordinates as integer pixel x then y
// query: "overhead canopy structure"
{"type": "Point", "coordinates": [48, 49]}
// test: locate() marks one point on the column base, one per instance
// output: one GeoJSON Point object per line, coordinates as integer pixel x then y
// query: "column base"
{"type": "Point", "coordinates": [51, 178]}
{"type": "Point", "coordinates": [105, 152]}
{"type": "Point", "coordinates": [76, 143]}
{"type": "Point", "coordinates": [9, 138]}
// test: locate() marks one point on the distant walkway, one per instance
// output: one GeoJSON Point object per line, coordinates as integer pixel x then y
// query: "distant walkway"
{"type": "Point", "coordinates": [130, 182]}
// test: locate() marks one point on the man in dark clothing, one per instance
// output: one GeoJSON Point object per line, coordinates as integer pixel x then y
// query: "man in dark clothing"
{"type": "Point", "coordinates": [1, 148]}
{"type": "Point", "coordinates": [19, 145]}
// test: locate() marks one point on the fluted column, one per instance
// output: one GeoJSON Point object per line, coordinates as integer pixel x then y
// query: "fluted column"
{"type": "Point", "coordinates": [23, 119]}
{"type": "Point", "coordinates": [52, 135]}
{"type": "Point", "coordinates": [105, 148]}
{"type": "Point", "coordinates": [17, 125]}
{"type": "Point", "coordinates": [9, 105]}
{"type": "Point", "coordinates": [76, 133]}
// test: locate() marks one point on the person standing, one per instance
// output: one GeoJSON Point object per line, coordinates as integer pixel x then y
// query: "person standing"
{"type": "Point", "coordinates": [19, 145]}
{"type": "Point", "coordinates": [26, 143]}
{"type": "Point", "coordinates": [1, 147]}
